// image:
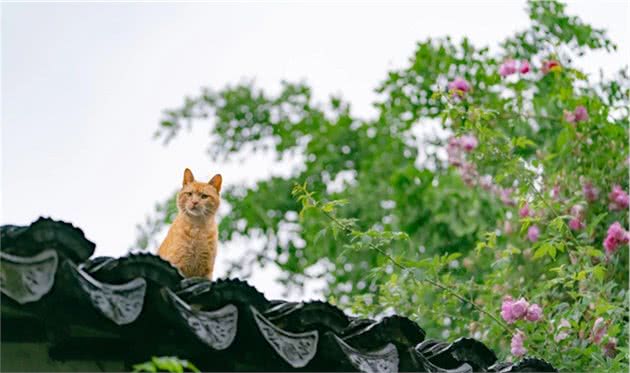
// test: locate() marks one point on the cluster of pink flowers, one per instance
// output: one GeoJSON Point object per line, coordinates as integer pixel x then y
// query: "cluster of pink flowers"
{"type": "Point", "coordinates": [551, 65]}
{"type": "Point", "coordinates": [619, 199]}
{"type": "Point", "coordinates": [509, 67]}
{"type": "Point", "coordinates": [512, 310]}
{"type": "Point", "coordinates": [517, 348]}
{"type": "Point", "coordinates": [616, 236]}
{"type": "Point", "coordinates": [591, 193]}
{"type": "Point", "coordinates": [578, 115]}
{"type": "Point", "coordinates": [577, 218]}
{"type": "Point", "coordinates": [459, 86]}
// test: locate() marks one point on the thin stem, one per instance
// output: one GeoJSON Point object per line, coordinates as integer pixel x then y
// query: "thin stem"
{"type": "Point", "coordinates": [435, 283]}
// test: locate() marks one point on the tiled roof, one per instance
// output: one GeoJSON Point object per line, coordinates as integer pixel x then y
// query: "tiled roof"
{"type": "Point", "coordinates": [138, 306]}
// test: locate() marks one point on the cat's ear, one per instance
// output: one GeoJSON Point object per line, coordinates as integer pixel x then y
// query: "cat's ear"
{"type": "Point", "coordinates": [216, 182]}
{"type": "Point", "coordinates": [188, 177]}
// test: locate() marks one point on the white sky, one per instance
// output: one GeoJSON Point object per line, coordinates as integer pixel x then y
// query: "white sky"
{"type": "Point", "coordinates": [83, 87]}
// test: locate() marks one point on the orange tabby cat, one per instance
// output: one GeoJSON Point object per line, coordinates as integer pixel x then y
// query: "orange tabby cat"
{"type": "Point", "coordinates": [191, 242]}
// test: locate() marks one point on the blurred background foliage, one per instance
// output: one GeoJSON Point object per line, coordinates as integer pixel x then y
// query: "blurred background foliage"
{"type": "Point", "coordinates": [390, 173]}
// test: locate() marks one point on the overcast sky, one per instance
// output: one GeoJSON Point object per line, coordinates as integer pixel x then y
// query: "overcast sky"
{"type": "Point", "coordinates": [83, 87]}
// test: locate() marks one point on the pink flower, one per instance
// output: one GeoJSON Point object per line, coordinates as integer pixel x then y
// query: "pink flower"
{"type": "Point", "coordinates": [610, 244]}
{"type": "Point", "coordinates": [506, 310]}
{"type": "Point", "coordinates": [517, 344]}
{"type": "Point", "coordinates": [590, 192]}
{"type": "Point", "coordinates": [468, 142]}
{"type": "Point", "coordinates": [569, 116]}
{"type": "Point", "coordinates": [532, 233]}
{"type": "Point", "coordinates": [534, 313]}
{"type": "Point", "coordinates": [459, 86]}
{"type": "Point", "coordinates": [619, 199]}
{"type": "Point", "coordinates": [599, 330]}
{"type": "Point", "coordinates": [616, 236]}
{"type": "Point", "coordinates": [524, 211]}
{"type": "Point", "coordinates": [524, 68]}
{"type": "Point", "coordinates": [616, 230]}
{"type": "Point", "coordinates": [576, 224]}
{"type": "Point", "coordinates": [581, 115]}
{"type": "Point", "coordinates": [610, 348]}
{"type": "Point", "coordinates": [551, 65]}
{"type": "Point", "coordinates": [507, 68]}
{"type": "Point", "coordinates": [519, 308]}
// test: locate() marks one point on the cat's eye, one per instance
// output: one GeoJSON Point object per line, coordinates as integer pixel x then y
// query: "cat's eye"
{"type": "Point", "coordinates": [189, 194]}
{"type": "Point", "coordinates": [204, 196]}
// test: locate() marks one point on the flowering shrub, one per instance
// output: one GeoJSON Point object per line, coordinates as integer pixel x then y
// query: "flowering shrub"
{"type": "Point", "coordinates": [506, 220]}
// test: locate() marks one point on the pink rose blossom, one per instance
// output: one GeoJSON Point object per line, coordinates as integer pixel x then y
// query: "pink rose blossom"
{"type": "Point", "coordinates": [533, 233]}
{"type": "Point", "coordinates": [610, 244]}
{"type": "Point", "coordinates": [517, 344]}
{"type": "Point", "coordinates": [591, 193]}
{"type": "Point", "coordinates": [468, 142]}
{"type": "Point", "coordinates": [581, 115]}
{"type": "Point", "coordinates": [616, 236]}
{"type": "Point", "coordinates": [534, 312]}
{"type": "Point", "coordinates": [525, 67]}
{"type": "Point", "coordinates": [551, 65]}
{"type": "Point", "coordinates": [524, 211]}
{"type": "Point", "coordinates": [616, 230]}
{"type": "Point", "coordinates": [519, 308]}
{"type": "Point", "coordinates": [576, 224]}
{"type": "Point", "coordinates": [599, 330]}
{"type": "Point", "coordinates": [619, 199]}
{"type": "Point", "coordinates": [459, 86]}
{"type": "Point", "coordinates": [506, 310]}
{"type": "Point", "coordinates": [507, 68]}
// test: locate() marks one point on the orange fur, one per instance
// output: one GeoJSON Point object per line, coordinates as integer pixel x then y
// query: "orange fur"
{"type": "Point", "coordinates": [191, 242]}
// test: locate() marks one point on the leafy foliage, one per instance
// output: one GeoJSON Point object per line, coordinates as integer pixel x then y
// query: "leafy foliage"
{"type": "Point", "coordinates": [165, 364]}
{"type": "Point", "coordinates": [400, 224]}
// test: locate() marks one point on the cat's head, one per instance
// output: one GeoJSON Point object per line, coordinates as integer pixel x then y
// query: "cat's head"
{"type": "Point", "coordinates": [198, 199]}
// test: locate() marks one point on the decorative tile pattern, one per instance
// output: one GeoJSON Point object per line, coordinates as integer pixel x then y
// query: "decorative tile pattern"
{"type": "Point", "coordinates": [297, 349]}
{"type": "Point", "coordinates": [217, 328]}
{"type": "Point", "coordinates": [120, 303]}
{"type": "Point", "coordinates": [379, 361]}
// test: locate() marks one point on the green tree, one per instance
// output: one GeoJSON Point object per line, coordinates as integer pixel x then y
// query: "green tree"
{"type": "Point", "coordinates": [403, 225]}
